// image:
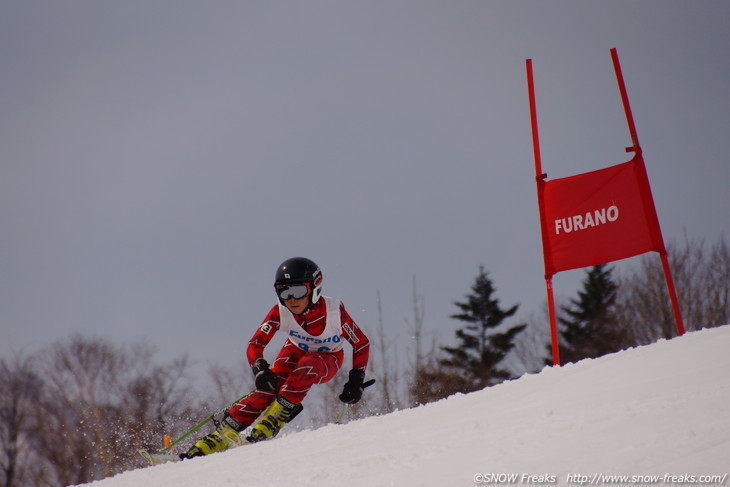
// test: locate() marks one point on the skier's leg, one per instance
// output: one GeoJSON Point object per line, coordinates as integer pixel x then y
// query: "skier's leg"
{"type": "Point", "coordinates": [244, 413]}
{"type": "Point", "coordinates": [312, 368]}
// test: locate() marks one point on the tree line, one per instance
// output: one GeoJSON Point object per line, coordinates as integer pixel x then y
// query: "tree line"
{"type": "Point", "coordinates": [78, 410]}
{"type": "Point", "coordinates": [609, 313]}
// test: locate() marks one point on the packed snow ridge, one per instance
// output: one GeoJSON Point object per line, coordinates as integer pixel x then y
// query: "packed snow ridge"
{"type": "Point", "coordinates": [656, 415]}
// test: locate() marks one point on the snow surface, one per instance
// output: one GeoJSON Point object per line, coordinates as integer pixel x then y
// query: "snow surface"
{"type": "Point", "coordinates": [655, 410]}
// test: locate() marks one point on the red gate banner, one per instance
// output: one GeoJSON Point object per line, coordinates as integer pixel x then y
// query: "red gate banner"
{"type": "Point", "coordinates": [598, 217]}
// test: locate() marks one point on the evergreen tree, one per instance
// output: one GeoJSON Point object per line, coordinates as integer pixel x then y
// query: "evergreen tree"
{"type": "Point", "coordinates": [588, 323]}
{"type": "Point", "coordinates": [483, 342]}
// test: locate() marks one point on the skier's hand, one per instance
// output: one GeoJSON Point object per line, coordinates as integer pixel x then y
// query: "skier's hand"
{"type": "Point", "coordinates": [352, 392]}
{"type": "Point", "coordinates": [265, 379]}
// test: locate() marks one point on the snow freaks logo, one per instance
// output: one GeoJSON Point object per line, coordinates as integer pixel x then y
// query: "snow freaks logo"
{"type": "Point", "coordinates": [599, 479]}
{"type": "Point", "coordinates": [515, 478]}
{"type": "Point", "coordinates": [585, 221]}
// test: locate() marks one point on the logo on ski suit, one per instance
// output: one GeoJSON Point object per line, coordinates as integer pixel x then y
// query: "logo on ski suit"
{"type": "Point", "coordinates": [306, 342]}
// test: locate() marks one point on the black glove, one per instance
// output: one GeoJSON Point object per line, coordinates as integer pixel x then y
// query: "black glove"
{"type": "Point", "coordinates": [265, 379]}
{"type": "Point", "coordinates": [352, 392]}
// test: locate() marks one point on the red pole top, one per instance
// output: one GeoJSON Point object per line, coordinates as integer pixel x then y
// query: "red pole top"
{"type": "Point", "coordinates": [533, 118]}
{"type": "Point", "coordinates": [627, 108]}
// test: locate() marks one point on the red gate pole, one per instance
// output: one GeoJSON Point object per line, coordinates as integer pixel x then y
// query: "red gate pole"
{"type": "Point", "coordinates": [672, 293]}
{"type": "Point", "coordinates": [540, 179]}
{"type": "Point", "coordinates": [637, 148]}
{"type": "Point", "coordinates": [553, 324]}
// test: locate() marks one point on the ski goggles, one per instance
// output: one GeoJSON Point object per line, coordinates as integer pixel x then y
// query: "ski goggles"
{"type": "Point", "coordinates": [296, 291]}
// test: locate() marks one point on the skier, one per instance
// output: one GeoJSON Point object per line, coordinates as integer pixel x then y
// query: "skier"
{"type": "Point", "coordinates": [316, 326]}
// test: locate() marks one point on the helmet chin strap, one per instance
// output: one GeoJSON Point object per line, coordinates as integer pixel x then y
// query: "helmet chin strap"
{"type": "Point", "coordinates": [309, 306]}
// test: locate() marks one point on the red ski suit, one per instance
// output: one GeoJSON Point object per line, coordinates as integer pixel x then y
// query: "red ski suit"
{"type": "Point", "coordinates": [299, 369]}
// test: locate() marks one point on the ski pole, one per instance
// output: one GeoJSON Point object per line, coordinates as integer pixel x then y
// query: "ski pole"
{"type": "Point", "coordinates": [202, 423]}
{"type": "Point", "coordinates": [341, 419]}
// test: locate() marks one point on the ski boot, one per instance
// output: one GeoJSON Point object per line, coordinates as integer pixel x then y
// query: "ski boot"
{"type": "Point", "coordinates": [281, 411]}
{"type": "Point", "coordinates": [221, 439]}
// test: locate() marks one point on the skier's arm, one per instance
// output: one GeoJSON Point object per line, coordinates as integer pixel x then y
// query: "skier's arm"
{"type": "Point", "coordinates": [357, 338]}
{"type": "Point", "coordinates": [352, 390]}
{"type": "Point", "coordinates": [263, 336]}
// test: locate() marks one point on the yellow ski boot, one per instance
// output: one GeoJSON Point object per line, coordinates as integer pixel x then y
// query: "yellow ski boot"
{"type": "Point", "coordinates": [281, 411]}
{"type": "Point", "coordinates": [220, 440]}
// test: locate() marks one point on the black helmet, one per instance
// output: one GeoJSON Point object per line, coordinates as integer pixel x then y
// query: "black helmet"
{"type": "Point", "coordinates": [298, 270]}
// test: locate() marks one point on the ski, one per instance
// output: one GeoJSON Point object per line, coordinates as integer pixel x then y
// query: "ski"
{"type": "Point", "coordinates": [158, 458]}
{"type": "Point", "coordinates": [164, 456]}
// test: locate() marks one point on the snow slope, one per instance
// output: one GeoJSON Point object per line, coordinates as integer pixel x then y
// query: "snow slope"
{"type": "Point", "coordinates": [658, 410]}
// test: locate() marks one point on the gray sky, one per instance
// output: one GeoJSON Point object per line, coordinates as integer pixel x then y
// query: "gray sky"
{"type": "Point", "coordinates": [158, 160]}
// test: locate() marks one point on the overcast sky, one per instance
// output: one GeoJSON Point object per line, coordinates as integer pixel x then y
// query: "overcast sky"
{"type": "Point", "coordinates": [158, 160]}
